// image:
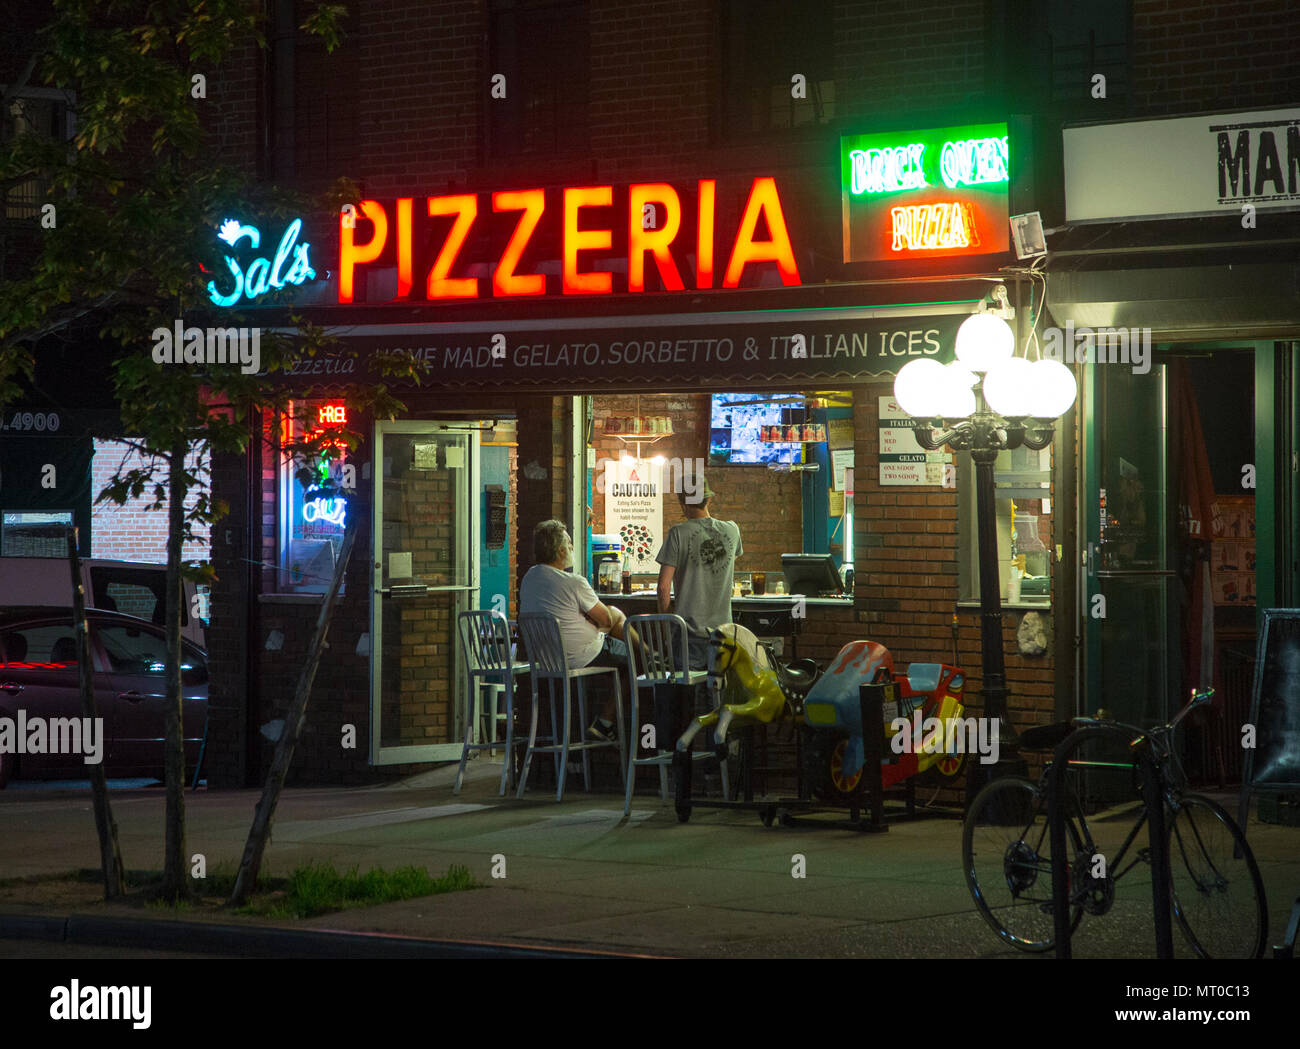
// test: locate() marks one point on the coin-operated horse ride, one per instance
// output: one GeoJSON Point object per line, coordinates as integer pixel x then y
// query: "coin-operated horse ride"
{"type": "Point", "coordinates": [751, 687]}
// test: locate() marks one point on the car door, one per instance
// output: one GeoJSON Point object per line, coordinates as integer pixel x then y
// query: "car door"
{"type": "Point", "coordinates": [135, 658]}
{"type": "Point", "coordinates": [39, 679]}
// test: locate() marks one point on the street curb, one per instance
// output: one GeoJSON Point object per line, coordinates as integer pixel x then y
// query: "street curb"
{"type": "Point", "coordinates": [267, 942]}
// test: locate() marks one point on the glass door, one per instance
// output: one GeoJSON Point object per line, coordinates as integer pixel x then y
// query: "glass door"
{"type": "Point", "coordinates": [1127, 577]}
{"type": "Point", "coordinates": [426, 572]}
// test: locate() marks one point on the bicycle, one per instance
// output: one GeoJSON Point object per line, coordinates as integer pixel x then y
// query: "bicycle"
{"type": "Point", "coordinates": [1216, 892]}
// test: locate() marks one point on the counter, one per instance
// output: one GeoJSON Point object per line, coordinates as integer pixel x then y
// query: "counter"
{"type": "Point", "coordinates": [779, 600]}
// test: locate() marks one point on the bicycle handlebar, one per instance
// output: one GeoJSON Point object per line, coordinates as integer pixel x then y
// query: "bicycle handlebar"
{"type": "Point", "coordinates": [1199, 699]}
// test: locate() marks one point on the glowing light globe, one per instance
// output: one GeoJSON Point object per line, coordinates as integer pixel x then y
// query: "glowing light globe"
{"type": "Point", "coordinates": [1010, 387]}
{"type": "Point", "coordinates": [1054, 389]}
{"type": "Point", "coordinates": [984, 340]}
{"type": "Point", "coordinates": [919, 388]}
{"type": "Point", "coordinates": [956, 394]}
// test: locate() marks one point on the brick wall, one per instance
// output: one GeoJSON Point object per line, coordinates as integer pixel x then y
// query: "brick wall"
{"type": "Point", "coordinates": [131, 531]}
{"type": "Point", "coordinates": [1191, 56]}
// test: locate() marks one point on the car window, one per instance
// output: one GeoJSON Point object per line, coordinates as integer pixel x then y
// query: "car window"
{"type": "Point", "coordinates": [132, 649]}
{"type": "Point", "coordinates": [49, 646]}
{"type": "Point", "coordinates": [138, 650]}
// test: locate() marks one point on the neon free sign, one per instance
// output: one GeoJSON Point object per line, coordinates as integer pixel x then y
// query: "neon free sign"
{"type": "Point", "coordinates": [925, 194]}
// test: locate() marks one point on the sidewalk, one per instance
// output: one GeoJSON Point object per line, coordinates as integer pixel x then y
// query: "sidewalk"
{"type": "Point", "coordinates": [578, 877]}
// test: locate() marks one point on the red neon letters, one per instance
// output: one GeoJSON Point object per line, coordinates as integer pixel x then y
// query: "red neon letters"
{"type": "Point", "coordinates": [654, 220]}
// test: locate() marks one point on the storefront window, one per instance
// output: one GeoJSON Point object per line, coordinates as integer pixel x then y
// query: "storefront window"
{"type": "Point", "coordinates": [1024, 526]}
{"type": "Point", "coordinates": [313, 519]}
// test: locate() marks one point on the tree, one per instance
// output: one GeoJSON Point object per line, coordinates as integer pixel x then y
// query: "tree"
{"type": "Point", "coordinates": [138, 197]}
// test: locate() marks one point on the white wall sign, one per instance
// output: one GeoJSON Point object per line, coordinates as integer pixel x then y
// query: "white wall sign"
{"type": "Point", "coordinates": [902, 460]}
{"type": "Point", "coordinates": [634, 511]}
{"type": "Point", "coordinates": [1183, 166]}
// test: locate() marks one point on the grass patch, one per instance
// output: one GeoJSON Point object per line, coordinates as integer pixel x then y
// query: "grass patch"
{"type": "Point", "coordinates": [310, 890]}
{"type": "Point", "coordinates": [319, 889]}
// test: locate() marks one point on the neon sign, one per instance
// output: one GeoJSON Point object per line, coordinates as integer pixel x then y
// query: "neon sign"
{"type": "Point", "coordinates": [927, 227]}
{"type": "Point", "coordinates": [588, 219]}
{"type": "Point", "coordinates": [262, 274]}
{"type": "Point", "coordinates": [332, 415]}
{"type": "Point", "coordinates": [974, 161]}
{"type": "Point", "coordinates": [888, 170]}
{"type": "Point", "coordinates": [925, 194]}
{"type": "Point", "coordinates": [331, 510]}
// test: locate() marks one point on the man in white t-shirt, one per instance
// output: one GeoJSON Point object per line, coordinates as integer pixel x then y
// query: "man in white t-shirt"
{"type": "Point", "coordinates": [594, 634]}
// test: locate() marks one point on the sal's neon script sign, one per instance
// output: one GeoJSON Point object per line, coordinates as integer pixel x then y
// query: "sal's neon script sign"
{"type": "Point", "coordinates": [925, 193]}
{"type": "Point", "coordinates": [642, 230]}
{"type": "Point", "coordinates": [262, 274]}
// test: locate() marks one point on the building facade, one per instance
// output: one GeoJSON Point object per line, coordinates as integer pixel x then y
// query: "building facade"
{"type": "Point", "coordinates": [722, 218]}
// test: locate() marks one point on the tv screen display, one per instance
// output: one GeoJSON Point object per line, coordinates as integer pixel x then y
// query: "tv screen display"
{"type": "Point", "coordinates": [735, 429]}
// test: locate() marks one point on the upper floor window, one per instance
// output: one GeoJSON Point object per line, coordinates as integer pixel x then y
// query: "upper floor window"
{"type": "Point", "coordinates": [767, 45]}
{"type": "Point", "coordinates": [36, 111]}
{"type": "Point", "coordinates": [314, 109]}
{"type": "Point", "coordinates": [542, 49]}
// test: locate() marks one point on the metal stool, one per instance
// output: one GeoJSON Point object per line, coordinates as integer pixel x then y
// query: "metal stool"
{"type": "Point", "coordinates": [541, 635]}
{"type": "Point", "coordinates": [665, 639]}
{"type": "Point", "coordinates": [485, 643]}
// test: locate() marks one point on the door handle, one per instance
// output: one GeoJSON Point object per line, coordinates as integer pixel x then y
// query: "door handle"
{"type": "Point", "coordinates": [12, 687]}
{"type": "Point", "coordinates": [132, 696]}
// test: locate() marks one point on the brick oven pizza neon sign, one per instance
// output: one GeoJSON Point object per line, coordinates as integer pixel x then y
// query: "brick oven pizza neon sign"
{"type": "Point", "coordinates": [925, 193]}
{"type": "Point", "coordinates": [640, 231]}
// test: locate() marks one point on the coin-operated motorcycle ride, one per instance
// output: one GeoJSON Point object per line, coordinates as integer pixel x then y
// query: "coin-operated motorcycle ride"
{"type": "Point", "coordinates": [749, 686]}
{"type": "Point", "coordinates": [928, 696]}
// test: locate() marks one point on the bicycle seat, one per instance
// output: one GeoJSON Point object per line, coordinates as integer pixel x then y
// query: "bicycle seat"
{"type": "Point", "coordinates": [1045, 737]}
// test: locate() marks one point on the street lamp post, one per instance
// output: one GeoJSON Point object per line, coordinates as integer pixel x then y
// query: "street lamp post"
{"type": "Point", "coordinates": [986, 401]}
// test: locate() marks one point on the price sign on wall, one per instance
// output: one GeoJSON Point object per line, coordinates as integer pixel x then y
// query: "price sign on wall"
{"type": "Point", "coordinates": [902, 460]}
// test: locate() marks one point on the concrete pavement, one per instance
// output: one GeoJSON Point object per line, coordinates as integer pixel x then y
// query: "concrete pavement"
{"type": "Point", "coordinates": [579, 878]}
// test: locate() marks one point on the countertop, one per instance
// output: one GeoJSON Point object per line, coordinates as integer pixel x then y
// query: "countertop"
{"type": "Point", "coordinates": [766, 599]}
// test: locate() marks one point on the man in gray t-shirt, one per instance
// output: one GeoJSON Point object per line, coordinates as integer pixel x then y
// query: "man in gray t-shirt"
{"type": "Point", "coordinates": [697, 562]}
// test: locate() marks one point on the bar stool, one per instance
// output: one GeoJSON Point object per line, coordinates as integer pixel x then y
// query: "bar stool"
{"type": "Point", "coordinates": [485, 645]}
{"type": "Point", "coordinates": [541, 635]}
{"type": "Point", "coordinates": [665, 641]}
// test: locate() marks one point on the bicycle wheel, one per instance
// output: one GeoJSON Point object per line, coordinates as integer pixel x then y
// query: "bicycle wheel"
{"type": "Point", "coordinates": [1006, 857]}
{"type": "Point", "coordinates": [1217, 894]}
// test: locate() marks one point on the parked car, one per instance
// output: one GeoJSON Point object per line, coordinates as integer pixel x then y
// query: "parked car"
{"type": "Point", "coordinates": [134, 587]}
{"type": "Point", "coordinates": [39, 679]}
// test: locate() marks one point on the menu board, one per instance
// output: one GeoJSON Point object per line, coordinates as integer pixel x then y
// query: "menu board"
{"type": "Point", "coordinates": [634, 511]}
{"type": "Point", "coordinates": [1232, 553]}
{"type": "Point", "coordinates": [902, 460]}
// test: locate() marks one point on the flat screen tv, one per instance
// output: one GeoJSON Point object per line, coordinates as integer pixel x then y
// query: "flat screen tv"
{"type": "Point", "coordinates": [813, 575]}
{"type": "Point", "coordinates": [735, 426]}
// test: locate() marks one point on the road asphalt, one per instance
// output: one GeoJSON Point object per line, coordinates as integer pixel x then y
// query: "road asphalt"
{"type": "Point", "coordinates": [569, 879]}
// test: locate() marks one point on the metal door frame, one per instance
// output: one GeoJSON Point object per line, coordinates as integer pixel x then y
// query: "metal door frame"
{"type": "Point", "coordinates": [468, 498]}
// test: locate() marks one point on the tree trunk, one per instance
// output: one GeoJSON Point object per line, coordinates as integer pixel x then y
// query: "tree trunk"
{"type": "Point", "coordinates": [251, 864]}
{"type": "Point", "coordinates": [176, 882]}
{"type": "Point", "coordinates": [110, 853]}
